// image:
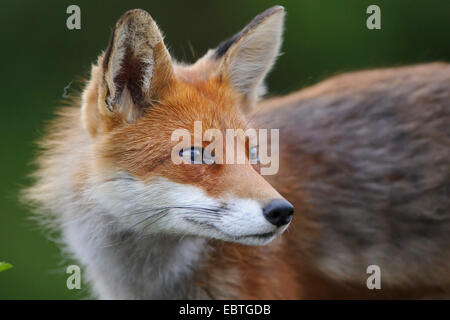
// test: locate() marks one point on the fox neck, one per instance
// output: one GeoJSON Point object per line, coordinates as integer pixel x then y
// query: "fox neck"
{"type": "Point", "coordinates": [125, 265]}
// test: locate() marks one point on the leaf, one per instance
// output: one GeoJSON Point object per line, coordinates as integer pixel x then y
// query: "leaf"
{"type": "Point", "coordinates": [5, 266]}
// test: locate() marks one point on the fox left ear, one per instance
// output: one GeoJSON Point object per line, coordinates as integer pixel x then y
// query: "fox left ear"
{"type": "Point", "coordinates": [137, 66]}
{"type": "Point", "coordinates": [247, 57]}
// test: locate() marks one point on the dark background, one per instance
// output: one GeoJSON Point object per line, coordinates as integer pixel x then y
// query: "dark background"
{"type": "Point", "coordinates": [39, 56]}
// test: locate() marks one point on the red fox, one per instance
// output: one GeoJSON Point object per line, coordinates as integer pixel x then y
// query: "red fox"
{"type": "Point", "coordinates": [363, 159]}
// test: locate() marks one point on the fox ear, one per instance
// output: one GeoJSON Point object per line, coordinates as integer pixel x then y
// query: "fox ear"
{"type": "Point", "coordinates": [248, 56]}
{"type": "Point", "coordinates": [137, 66]}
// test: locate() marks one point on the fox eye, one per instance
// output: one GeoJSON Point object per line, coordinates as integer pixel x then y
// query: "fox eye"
{"type": "Point", "coordinates": [253, 154]}
{"type": "Point", "coordinates": [192, 155]}
{"type": "Point", "coordinates": [196, 155]}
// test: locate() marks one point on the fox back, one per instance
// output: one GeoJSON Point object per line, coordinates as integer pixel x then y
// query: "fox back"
{"type": "Point", "coordinates": [364, 158]}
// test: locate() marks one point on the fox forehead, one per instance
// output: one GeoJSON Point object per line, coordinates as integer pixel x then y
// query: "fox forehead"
{"type": "Point", "coordinates": [212, 101]}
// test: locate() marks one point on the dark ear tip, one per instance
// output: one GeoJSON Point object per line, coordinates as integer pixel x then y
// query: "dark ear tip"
{"type": "Point", "coordinates": [266, 14]}
{"type": "Point", "coordinates": [225, 45]}
{"type": "Point", "coordinates": [271, 11]}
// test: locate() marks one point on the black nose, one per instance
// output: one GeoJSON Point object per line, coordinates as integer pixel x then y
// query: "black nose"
{"type": "Point", "coordinates": [278, 212]}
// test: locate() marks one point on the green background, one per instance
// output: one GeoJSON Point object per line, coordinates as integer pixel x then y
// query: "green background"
{"type": "Point", "coordinates": [39, 56]}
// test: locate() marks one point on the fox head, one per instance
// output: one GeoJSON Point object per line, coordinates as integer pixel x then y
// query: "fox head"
{"type": "Point", "coordinates": [137, 97]}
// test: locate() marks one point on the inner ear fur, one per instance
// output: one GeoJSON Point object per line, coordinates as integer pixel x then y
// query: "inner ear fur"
{"type": "Point", "coordinates": [247, 57]}
{"type": "Point", "coordinates": [136, 66]}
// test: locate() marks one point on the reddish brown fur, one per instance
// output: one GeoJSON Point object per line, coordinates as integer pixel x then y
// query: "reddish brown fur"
{"type": "Point", "coordinates": [291, 178]}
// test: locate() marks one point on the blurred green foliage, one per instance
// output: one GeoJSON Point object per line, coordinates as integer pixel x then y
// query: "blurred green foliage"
{"type": "Point", "coordinates": [5, 266]}
{"type": "Point", "coordinates": [40, 57]}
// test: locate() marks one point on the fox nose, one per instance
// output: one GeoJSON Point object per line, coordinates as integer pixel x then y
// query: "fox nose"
{"type": "Point", "coordinates": [278, 212]}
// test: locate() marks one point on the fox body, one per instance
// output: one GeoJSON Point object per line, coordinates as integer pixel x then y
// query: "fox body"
{"type": "Point", "coordinates": [363, 159]}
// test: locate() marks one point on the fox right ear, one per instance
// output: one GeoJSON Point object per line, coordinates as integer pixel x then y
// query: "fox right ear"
{"type": "Point", "coordinates": [137, 66]}
{"type": "Point", "coordinates": [247, 57]}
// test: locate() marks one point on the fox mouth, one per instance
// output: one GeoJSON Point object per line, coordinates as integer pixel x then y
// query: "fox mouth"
{"type": "Point", "coordinates": [251, 239]}
{"type": "Point", "coordinates": [259, 236]}
{"type": "Point", "coordinates": [265, 235]}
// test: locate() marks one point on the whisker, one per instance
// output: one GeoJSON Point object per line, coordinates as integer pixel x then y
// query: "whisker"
{"type": "Point", "coordinates": [197, 209]}
{"type": "Point", "coordinates": [156, 220]}
{"type": "Point", "coordinates": [150, 217]}
{"type": "Point", "coordinates": [200, 214]}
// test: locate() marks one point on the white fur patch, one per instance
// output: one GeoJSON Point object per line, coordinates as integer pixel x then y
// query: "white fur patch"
{"type": "Point", "coordinates": [163, 206]}
{"type": "Point", "coordinates": [132, 251]}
